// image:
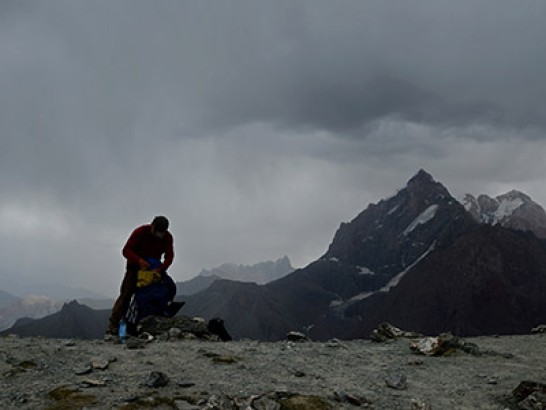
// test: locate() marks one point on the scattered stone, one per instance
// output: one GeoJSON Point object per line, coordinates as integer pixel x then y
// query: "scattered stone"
{"type": "Point", "coordinates": [21, 398]}
{"type": "Point", "coordinates": [146, 336]}
{"type": "Point", "coordinates": [525, 388]}
{"type": "Point", "coordinates": [160, 326]}
{"type": "Point", "coordinates": [264, 403]}
{"type": "Point", "coordinates": [216, 327]}
{"type": "Point", "coordinates": [99, 363]}
{"type": "Point", "coordinates": [443, 345]}
{"type": "Point", "coordinates": [156, 379]}
{"type": "Point", "coordinates": [83, 370]}
{"type": "Point", "coordinates": [221, 402]}
{"type": "Point", "coordinates": [296, 337]}
{"type": "Point", "coordinates": [108, 338]}
{"type": "Point", "coordinates": [298, 373]}
{"type": "Point", "coordinates": [396, 381]}
{"type": "Point", "coordinates": [185, 384]}
{"type": "Point", "coordinates": [386, 331]}
{"type": "Point", "coordinates": [27, 364]}
{"type": "Point", "coordinates": [189, 336]}
{"type": "Point", "coordinates": [539, 329]}
{"type": "Point", "coordinates": [417, 404]}
{"type": "Point", "coordinates": [218, 358]}
{"type": "Point", "coordinates": [415, 363]}
{"type": "Point", "coordinates": [342, 397]}
{"type": "Point", "coordinates": [184, 405]}
{"type": "Point", "coordinates": [175, 333]}
{"type": "Point", "coordinates": [133, 343]}
{"type": "Point", "coordinates": [225, 359]}
{"type": "Point", "coordinates": [93, 383]}
{"type": "Point", "coordinates": [335, 343]}
{"type": "Point", "coordinates": [535, 401]}
{"type": "Point", "coordinates": [70, 343]}
{"type": "Point", "coordinates": [429, 346]}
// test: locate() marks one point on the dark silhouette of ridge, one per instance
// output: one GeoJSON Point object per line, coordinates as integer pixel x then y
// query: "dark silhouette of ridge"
{"type": "Point", "coordinates": [72, 321]}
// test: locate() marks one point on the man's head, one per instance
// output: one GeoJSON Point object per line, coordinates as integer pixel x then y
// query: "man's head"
{"type": "Point", "coordinates": [160, 224]}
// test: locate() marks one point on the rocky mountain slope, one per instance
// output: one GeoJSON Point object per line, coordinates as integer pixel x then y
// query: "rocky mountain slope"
{"type": "Point", "coordinates": [512, 210]}
{"type": "Point", "coordinates": [358, 282]}
{"type": "Point", "coordinates": [195, 285]}
{"type": "Point", "coordinates": [390, 236]}
{"type": "Point", "coordinates": [490, 281]}
{"type": "Point", "coordinates": [38, 373]}
{"type": "Point", "coordinates": [377, 247]}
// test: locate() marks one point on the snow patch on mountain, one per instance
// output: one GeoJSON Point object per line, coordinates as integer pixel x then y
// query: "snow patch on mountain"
{"type": "Point", "coordinates": [506, 208]}
{"type": "Point", "coordinates": [393, 210]}
{"type": "Point", "coordinates": [423, 218]}
{"type": "Point", "coordinates": [396, 279]}
{"type": "Point", "coordinates": [360, 296]}
{"type": "Point", "coordinates": [514, 210]}
{"type": "Point", "coordinates": [365, 271]}
{"type": "Point", "coordinates": [340, 304]}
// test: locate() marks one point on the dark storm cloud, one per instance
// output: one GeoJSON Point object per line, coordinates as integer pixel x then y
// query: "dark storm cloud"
{"type": "Point", "coordinates": [319, 65]}
{"type": "Point", "coordinates": [339, 68]}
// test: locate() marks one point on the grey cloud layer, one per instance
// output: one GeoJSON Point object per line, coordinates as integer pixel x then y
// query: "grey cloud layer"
{"type": "Point", "coordinates": [237, 118]}
{"type": "Point", "coordinates": [321, 65]}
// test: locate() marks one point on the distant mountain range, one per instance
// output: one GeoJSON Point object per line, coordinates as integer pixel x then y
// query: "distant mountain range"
{"type": "Point", "coordinates": [260, 273]}
{"type": "Point", "coordinates": [374, 268]}
{"type": "Point", "coordinates": [511, 210]}
{"type": "Point", "coordinates": [420, 260]}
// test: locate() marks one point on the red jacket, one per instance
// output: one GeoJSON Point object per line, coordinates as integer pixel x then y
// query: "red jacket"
{"type": "Point", "coordinates": [144, 244]}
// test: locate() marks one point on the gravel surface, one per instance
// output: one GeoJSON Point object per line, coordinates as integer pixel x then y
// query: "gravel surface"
{"type": "Point", "coordinates": [39, 373]}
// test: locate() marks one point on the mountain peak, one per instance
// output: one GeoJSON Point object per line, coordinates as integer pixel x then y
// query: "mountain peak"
{"type": "Point", "coordinates": [73, 304]}
{"type": "Point", "coordinates": [421, 177]}
{"type": "Point", "coordinates": [514, 210]}
{"type": "Point", "coordinates": [515, 194]}
{"type": "Point", "coordinates": [390, 236]}
{"type": "Point", "coordinates": [423, 186]}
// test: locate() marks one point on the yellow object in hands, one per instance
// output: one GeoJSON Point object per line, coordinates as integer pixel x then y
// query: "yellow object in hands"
{"type": "Point", "coordinates": [147, 277]}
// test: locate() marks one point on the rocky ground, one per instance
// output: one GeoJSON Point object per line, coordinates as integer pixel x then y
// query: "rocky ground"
{"type": "Point", "coordinates": [39, 373]}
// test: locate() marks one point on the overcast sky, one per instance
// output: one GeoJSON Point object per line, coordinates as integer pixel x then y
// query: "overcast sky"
{"type": "Point", "coordinates": [256, 127]}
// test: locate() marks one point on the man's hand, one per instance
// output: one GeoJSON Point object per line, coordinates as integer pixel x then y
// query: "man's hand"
{"type": "Point", "coordinates": [143, 264]}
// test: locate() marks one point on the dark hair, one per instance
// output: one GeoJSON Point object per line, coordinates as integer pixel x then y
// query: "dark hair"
{"type": "Point", "coordinates": [160, 223]}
